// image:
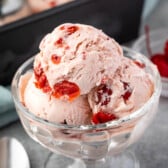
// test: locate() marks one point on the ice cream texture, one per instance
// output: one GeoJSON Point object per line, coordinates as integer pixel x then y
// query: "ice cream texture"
{"type": "Point", "coordinates": [81, 77]}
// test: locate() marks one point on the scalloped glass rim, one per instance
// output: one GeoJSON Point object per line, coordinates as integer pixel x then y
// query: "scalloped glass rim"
{"type": "Point", "coordinates": [111, 124]}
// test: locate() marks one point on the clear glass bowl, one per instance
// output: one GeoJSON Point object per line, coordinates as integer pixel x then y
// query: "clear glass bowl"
{"type": "Point", "coordinates": [91, 143]}
{"type": "Point", "coordinates": [157, 41]}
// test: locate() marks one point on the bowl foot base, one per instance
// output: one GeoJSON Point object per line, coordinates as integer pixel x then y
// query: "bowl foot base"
{"type": "Point", "coordinates": [124, 160]}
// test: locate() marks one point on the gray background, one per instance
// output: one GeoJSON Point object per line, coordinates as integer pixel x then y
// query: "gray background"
{"type": "Point", "coordinates": [151, 149]}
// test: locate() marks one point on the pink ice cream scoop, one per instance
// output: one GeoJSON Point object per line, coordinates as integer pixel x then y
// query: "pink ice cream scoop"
{"type": "Point", "coordinates": [81, 77]}
{"type": "Point", "coordinates": [79, 54]}
{"type": "Point", "coordinates": [126, 92]}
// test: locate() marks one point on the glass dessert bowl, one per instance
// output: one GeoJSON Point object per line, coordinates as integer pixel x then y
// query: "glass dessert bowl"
{"type": "Point", "coordinates": [99, 145]}
{"type": "Point", "coordinates": [155, 44]}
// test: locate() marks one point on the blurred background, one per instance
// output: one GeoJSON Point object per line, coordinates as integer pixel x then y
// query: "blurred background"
{"type": "Point", "coordinates": [24, 23]}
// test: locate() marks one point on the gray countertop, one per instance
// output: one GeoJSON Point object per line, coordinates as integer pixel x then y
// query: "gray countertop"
{"type": "Point", "coordinates": [151, 149]}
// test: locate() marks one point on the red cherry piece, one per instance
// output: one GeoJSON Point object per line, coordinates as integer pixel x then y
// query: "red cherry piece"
{"type": "Point", "coordinates": [72, 29]}
{"type": "Point", "coordinates": [162, 64]}
{"type": "Point", "coordinates": [66, 88]}
{"type": "Point", "coordinates": [102, 117]}
{"type": "Point", "coordinates": [52, 4]}
{"type": "Point", "coordinates": [166, 48]}
{"type": "Point", "coordinates": [140, 64]}
{"type": "Point", "coordinates": [59, 42]}
{"type": "Point", "coordinates": [159, 59]}
{"type": "Point", "coordinates": [126, 95]}
{"type": "Point", "coordinates": [55, 59]}
{"type": "Point", "coordinates": [67, 47]}
{"type": "Point", "coordinates": [103, 94]}
{"type": "Point", "coordinates": [62, 27]}
{"type": "Point", "coordinates": [38, 71]}
{"type": "Point", "coordinates": [128, 91]}
{"type": "Point", "coordinates": [41, 80]}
